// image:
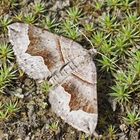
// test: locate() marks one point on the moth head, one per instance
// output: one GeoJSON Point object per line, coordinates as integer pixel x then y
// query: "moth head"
{"type": "Point", "coordinates": [92, 51]}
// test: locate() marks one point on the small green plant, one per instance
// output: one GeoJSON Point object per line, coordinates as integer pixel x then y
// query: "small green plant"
{"type": "Point", "coordinates": [4, 22]}
{"type": "Point", "coordinates": [121, 47]}
{"type": "Point", "coordinates": [6, 52]}
{"type": "Point", "coordinates": [108, 64]}
{"type": "Point", "coordinates": [98, 5]}
{"type": "Point", "coordinates": [89, 28]}
{"type": "Point", "coordinates": [84, 137]}
{"type": "Point", "coordinates": [49, 23]}
{"type": "Point", "coordinates": [70, 30]}
{"type": "Point", "coordinates": [7, 110]}
{"type": "Point", "coordinates": [132, 18]}
{"type": "Point", "coordinates": [126, 5]}
{"type": "Point", "coordinates": [3, 115]}
{"type": "Point", "coordinates": [46, 87]}
{"type": "Point", "coordinates": [11, 107]}
{"type": "Point", "coordinates": [106, 48]}
{"type": "Point", "coordinates": [130, 34]}
{"type": "Point", "coordinates": [74, 14]}
{"type": "Point", "coordinates": [113, 4]}
{"type": "Point", "coordinates": [73, 33]}
{"type": "Point", "coordinates": [125, 78]}
{"type": "Point", "coordinates": [29, 18]}
{"type": "Point", "coordinates": [129, 79]}
{"type": "Point", "coordinates": [112, 132]}
{"type": "Point", "coordinates": [66, 25]}
{"type": "Point", "coordinates": [19, 16]}
{"type": "Point", "coordinates": [7, 74]}
{"type": "Point", "coordinates": [54, 127]}
{"type": "Point", "coordinates": [98, 38]}
{"type": "Point", "coordinates": [120, 76]}
{"type": "Point", "coordinates": [120, 94]}
{"type": "Point", "coordinates": [108, 23]}
{"type": "Point", "coordinates": [132, 118]}
{"type": "Point", "coordinates": [135, 66]}
{"type": "Point", "coordinates": [39, 8]}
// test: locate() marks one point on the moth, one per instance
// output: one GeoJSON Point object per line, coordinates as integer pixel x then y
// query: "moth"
{"type": "Point", "coordinates": [66, 65]}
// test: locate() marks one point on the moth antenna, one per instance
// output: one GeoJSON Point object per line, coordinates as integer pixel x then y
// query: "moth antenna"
{"type": "Point", "coordinates": [95, 49]}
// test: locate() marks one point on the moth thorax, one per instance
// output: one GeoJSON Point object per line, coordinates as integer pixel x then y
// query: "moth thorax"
{"type": "Point", "coordinates": [67, 70]}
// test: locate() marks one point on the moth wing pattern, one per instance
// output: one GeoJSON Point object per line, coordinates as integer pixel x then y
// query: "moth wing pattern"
{"type": "Point", "coordinates": [70, 49]}
{"type": "Point", "coordinates": [40, 54]}
{"type": "Point", "coordinates": [37, 50]}
{"type": "Point", "coordinates": [75, 100]}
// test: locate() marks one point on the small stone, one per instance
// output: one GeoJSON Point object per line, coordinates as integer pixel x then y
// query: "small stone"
{"type": "Point", "coordinates": [18, 93]}
{"type": "Point", "coordinates": [124, 128]}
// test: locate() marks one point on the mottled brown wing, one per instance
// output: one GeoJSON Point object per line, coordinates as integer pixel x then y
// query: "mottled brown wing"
{"type": "Point", "coordinates": [39, 52]}
{"type": "Point", "coordinates": [76, 99]}
{"type": "Point", "coordinates": [46, 45]}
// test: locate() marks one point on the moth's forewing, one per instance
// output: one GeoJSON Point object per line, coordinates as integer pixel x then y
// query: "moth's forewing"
{"type": "Point", "coordinates": [46, 45]}
{"type": "Point", "coordinates": [37, 50]}
{"type": "Point", "coordinates": [76, 99]}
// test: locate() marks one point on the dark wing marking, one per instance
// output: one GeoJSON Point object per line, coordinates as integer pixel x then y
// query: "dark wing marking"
{"type": "Point", "coordinates": [32, 65]}
{"type": "Point", "coordinates": [46, 45]}
{"type": "Point", "coordinates": [82, 88]}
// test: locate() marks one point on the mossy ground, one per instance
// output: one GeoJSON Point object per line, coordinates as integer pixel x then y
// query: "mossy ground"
{"type": "Point", "coordinates": [113, 28]}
